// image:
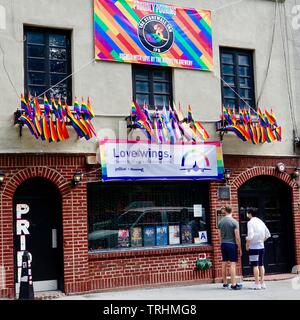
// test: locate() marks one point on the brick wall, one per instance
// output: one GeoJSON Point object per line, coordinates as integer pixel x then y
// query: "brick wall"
{"type": "Point", "coordinates": [85, 272]}
{"type": "Point", "coordinates": [59, 169]}
{"type": "Point", "coordinates": [242, 169]}
{"type": "Point", "coordinates": [148, 267]}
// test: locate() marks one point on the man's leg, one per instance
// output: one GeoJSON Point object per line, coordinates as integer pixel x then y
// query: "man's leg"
{"type": "Point", "coordinates": [256, 274]}
{"type": "Point", "coordinates": [224, 272]}
{"type": "Point", "coordinates": [262, 274]}
{"type": "Point", "coordinates": [233, 273]}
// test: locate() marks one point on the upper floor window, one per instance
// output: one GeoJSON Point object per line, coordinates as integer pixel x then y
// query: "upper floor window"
{"type": "Point", "coordinates": [47, 62]}
{"type": "Point", "coordinates": [152, 85]}
{"type": "Point", "coordinates": [238, 78]}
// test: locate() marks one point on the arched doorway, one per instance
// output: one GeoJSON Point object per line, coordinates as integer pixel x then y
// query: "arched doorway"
{"type": "Point", "coordinates": [272, 198]}
{"type": "Point", "coordinates": [37, 229]}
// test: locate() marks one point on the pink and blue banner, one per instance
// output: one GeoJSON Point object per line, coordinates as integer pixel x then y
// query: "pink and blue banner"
{"type": "Point", "coordinates": [132, 160]}
{"type": "Point", "coordinates": [153, 33]}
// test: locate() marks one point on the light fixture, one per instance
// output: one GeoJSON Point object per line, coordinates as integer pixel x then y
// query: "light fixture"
{"type": "Point", "coordinates": [280, 167]}
{"type": "Point", "coordinates": [76, 178]}
{"type": "Point", "coordinates": [2, 176]}
{"type": "Point", "coordinates": [227, 174]}
{"type": "Point", "coordinates": [296, 173]}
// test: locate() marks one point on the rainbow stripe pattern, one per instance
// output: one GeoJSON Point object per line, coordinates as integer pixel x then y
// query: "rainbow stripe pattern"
{"type": "Point", "coordinates": [263, 128]}
{"type": "Point", "coordinates": [119, 34]}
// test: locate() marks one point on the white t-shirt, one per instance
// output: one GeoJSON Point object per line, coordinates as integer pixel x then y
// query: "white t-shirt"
{"type": "Point", "coordinates": [258, 233]}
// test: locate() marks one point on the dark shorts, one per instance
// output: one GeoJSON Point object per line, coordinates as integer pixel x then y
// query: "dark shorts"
{"type": "Point", "coordinates": [256, 257]}
{"type": "Point", "coordinates": [229, 252]}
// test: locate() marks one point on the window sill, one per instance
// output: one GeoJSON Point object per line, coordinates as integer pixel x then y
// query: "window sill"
{"type": "Point", "coordinates": [105, 254]}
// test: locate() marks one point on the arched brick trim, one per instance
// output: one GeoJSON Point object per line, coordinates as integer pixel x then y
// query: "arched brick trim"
{"type": "Point", "coordinates": [7, 194]}
{"type": "Point", "coordinates": [243, 177]}
{"type": "Point", "coordinates": [52, 175]}
{"type": "Point", "coordinates": [258, 171]}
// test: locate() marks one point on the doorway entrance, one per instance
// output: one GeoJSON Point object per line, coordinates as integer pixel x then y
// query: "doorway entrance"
{"type": "Point", "coordinates": [37, 229]}
{"type": "Point", "coordinates": [273, 200]}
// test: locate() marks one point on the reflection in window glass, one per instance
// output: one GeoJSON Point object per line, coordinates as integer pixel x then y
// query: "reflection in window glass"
{"type": "Point", "coordinates": [123, 215]}
{"type": "Point", "coordinates": [58, 40]}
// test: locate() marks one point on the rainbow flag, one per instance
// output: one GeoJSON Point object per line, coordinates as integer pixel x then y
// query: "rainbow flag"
{"type": "Point", "coordinates": [124, 33]}
{"type": "Point", "coordinates": [89, 106]}
{"type": "Point", "coordinates": [28, 121]}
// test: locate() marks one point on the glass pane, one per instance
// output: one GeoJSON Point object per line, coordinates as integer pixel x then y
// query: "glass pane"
{"type": "Point", "coordinates": [36, 51]}
{"type": "Point", "coordinates": [142, 87]}
{"type": "Point", "coordinates": [36, 90]}
{"type": "Point", "coordinates": [58, 40]}
{"type": "Point", "coordinates": [160, 87]}
{"type": "Point", "coordinates": [58, 66]}
{"type": "Point", "coordinates": [245, 82]}
{"type": "Point", "coordinates": [36, 78]}
{"type": "Point", "coordinates": [55, 78]}
{"type": "Point", "coordinates": [228, 93]}
{"type": "Point", "coordinates": [142, 74]}
{"type": "Point", "coordinates": [243, 60]}
{"type": "Point", "coordinates": [245, 103]}
{"type": "Point", "coordinates": [145, 215]}
{"type": "Point", "coordinates": [36, 64]}
{"type": "Point", "coordinates": [142, 98]}
{"type": "Point", "coordinates": [35, 37]}
{"type": "Point", "coordinates": [229, 80]}
{"type": "Point", "coordinates": [245, 93]}
{"type": "Point", "coordinates": [227, 58]}
{"type": "Point", "coordinates": [59, 91]}
{"type": "Point", "coordinates": [160, 101]}
{"type": "Point", "coordinates": [160, 75]}
{"type": "Point", "coordinates": [230, 103]}
{"type": "Point", "coordinates": [58, 53]}
{"type": "Point", "coordinates": [244, 71]}
{"type": "Point", "coordinates": [226, 69]}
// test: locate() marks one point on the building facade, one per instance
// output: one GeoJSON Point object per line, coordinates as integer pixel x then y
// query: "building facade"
{"type": "Point", "coordinates": [69, 227]}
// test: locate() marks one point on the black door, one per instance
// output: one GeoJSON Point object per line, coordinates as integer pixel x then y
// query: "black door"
{"type": "Point", "coordinates": [42, 228]}
{"type": "Point", "coordinates": [272, 198]}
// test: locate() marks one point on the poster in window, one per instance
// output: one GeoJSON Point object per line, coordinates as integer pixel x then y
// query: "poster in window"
{"type": "Point", "coordinates": [136, 237]}
{"type": "Point", "coordinates": [174, 234]}
{"type": "Point", "coordinates": [161, 235]}
{"type": "Point", "coordinates": [123, 238]}
{"type": "Point", "coordinates": [149, 236]}
{"type": "Point", "coordinates": [186, 234]}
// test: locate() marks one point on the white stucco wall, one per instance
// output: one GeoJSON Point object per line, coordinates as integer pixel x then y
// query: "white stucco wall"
{"type": "Point", "coordinates": [245, 24]}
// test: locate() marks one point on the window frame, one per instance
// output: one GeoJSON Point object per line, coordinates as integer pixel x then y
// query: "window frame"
{"type": "Point", "coordinates": [151, 93]}
{"type": "Point", "coordinates": [47, 32]}
{"type": "Point", "coordinates": [236, 52]}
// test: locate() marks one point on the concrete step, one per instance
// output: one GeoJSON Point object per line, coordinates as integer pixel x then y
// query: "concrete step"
{"type": "Point", "coordinates": [48, 295]}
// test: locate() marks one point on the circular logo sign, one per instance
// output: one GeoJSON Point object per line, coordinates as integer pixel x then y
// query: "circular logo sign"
{"type": "Point", "coordinates": [156, 33]}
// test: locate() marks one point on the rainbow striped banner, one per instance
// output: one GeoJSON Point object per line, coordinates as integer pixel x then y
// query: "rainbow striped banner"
{"type": "Point", "coordinates": [153, 33]}
{"type": "Point", "coordinates": [141, 160]}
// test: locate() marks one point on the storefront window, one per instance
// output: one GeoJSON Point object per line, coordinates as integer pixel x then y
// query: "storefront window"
{"type": "Point", "coordinates": [136, 215]}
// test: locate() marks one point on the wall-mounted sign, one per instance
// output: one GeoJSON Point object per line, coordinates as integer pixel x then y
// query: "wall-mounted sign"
{"type": "Point", "coordinates": [129, 160]}
{"type": "Point", "coordinates": [153, 33]}
{"type": "Point", "coordinates": [224, 192]}
{"type": "Point", "coordinates": [22, 231]}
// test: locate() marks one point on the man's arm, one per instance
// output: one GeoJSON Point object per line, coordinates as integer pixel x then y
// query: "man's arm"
{"type": "Point", "coordinates": [238, 239]}
{"type": "Point", "coordinates": [250, 235]}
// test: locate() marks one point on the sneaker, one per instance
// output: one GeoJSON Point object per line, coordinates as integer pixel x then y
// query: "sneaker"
{"type": "Point", "coordinates": [225, 286]}
{"type": "Point", "coordinates": [263, 286]}
{"type": "Point", "coordinates": [236, 287]}
{"type": "Point", "coordinates": [256, 286]}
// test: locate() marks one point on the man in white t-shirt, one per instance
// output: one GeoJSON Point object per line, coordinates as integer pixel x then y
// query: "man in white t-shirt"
{"type": "Point", "coordinates": [258, 233]}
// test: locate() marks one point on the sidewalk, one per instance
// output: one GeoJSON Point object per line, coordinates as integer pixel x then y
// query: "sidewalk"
{"type": "Point", "coordinates": [276, 290]}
